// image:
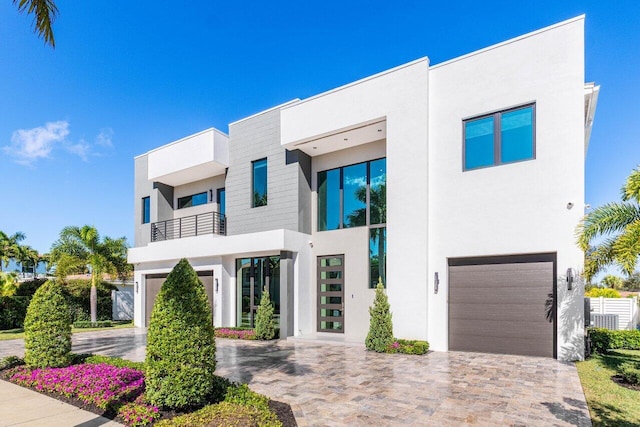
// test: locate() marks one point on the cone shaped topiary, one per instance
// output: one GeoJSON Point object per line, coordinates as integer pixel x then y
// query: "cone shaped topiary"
{"type": "Point", "coordinates": [47, 328]}
{"type": "Point", "coordinates": [380, 335]}
{"type": "Point", "coordinates": [181, 351]}
{"type": "Point", "coordinates": [265, 325]}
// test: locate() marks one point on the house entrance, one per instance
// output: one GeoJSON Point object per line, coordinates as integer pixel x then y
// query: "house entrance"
{"type": "Point", "coordinates": [253, 274]}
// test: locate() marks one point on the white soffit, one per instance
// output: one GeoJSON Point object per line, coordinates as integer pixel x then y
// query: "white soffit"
{"type": "Point", "coordinates": [363, 133]}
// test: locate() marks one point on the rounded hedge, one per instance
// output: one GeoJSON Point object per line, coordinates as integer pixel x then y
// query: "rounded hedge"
{"type": "Point", "coordinates": [181, 352]}
{"type": "Point", "coordinates": [265, 324]}
{"type": "Point", "coordinates": [47, 328]}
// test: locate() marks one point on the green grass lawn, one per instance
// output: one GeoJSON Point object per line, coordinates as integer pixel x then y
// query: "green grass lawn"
{"type": "Point", "coordinates": [610, 404]}
{"type": "Point", "coordinates": [15, 334]}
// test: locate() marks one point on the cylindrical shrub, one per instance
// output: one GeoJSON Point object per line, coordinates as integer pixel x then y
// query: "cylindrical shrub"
{"type": "Point", "coordinates": [380, 335]}
{"type": "Point", "coordinates": [13, 309]}
{"type": "Point", "coordinates": [265, 324]}
{"type": "Point", "coordinates": [47, 328]}
{"type": "Point", "coordinates": [181, 352]}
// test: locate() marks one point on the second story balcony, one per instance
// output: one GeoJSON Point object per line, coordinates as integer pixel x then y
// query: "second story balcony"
{"type": "Point", "coordinates": [189, 226]}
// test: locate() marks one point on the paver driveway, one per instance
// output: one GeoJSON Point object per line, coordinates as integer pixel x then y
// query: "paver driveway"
{"type": "Point", "coordinates": [338, 385]}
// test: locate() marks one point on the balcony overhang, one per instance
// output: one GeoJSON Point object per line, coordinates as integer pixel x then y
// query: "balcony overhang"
{"type": "Point", "coordinates": [196, 157]}
{"type": "Point", "coordinates": [340, 139]}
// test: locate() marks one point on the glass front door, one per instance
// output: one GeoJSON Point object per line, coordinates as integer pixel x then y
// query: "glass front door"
{"type": "Point", "coordinates": [331, 293]}
{"type": "Point", "coordinates": [253, 274]}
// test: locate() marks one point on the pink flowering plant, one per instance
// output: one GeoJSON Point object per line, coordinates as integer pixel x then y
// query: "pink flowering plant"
{"type": "Point", "coordinates": [138, 412]}
{"type": "Point", "coordinates": [239, 334]}
{"type": "Point", "coordinates": [100, 384]}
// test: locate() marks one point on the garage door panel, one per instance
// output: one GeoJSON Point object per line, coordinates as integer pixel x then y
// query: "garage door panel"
{"type": "Point", "coordinates": [506, 312]}
{"type": "Point", "coordinates": [504, 346]}
{"type": "Point", "coordinates": [501, 308]}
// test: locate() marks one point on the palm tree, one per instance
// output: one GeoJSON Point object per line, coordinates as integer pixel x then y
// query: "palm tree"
{"type": "Point", "coordinates": [45, 12]}
{"type": "Point", "coordinates": [28, 256]}
{"type": "Point", "coordinates": [79, 248]}
{"type": "Point", "coordinates": [9, 247]}
{"type": "Point", "coordinates": [618, 223]}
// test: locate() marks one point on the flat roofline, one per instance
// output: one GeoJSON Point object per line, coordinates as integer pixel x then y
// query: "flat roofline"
{"type": "Point", "coordinates": [513, 40]}
{"type": "Point", "coordinates": [366, 79]}
{"type": "Point", "coordinates": [182, 139]}
{"type": "Point", "coordinates": [259, 113]}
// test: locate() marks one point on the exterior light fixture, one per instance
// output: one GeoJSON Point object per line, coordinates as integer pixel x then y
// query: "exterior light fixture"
{"type": "Point", "coordinates": [570, 278]}
{"type": "Point", "coordinates": [436, 282]}
{"type": "Point", "coordinates": [137, 287]}
{"type": "Point", "coordinates": [216, 285]}
{"type": "Point", "coordinates": [211, 195]}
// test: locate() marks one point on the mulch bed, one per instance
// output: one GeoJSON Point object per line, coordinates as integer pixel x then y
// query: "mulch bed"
{"type": "Point", "coordinates": [282, 410]}
{"type": "Point", "coordinates": [618, 379]}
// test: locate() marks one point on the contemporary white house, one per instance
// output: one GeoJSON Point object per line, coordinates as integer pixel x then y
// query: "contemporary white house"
{"type": "Point", "coordinates": [458, 184]}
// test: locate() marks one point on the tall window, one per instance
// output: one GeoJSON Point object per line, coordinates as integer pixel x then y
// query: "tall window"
{"type": "Point", "coordinates": [222, 199]}
{"type": "Point", "coordinates": [377, 256]}
{"type": "Point", "coordinates": [352, 196]}
{"type": "Point", "coordinates": [259, 192]}
{"type": "Point", "coordinates": [193, 200]}
{"type": "Point", "coordinates": [503, 137]}
{"type": "Point", "coordinates": [146, 210]}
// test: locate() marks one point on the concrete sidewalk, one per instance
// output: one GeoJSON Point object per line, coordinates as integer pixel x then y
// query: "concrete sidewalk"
{"type": "Point", "coordinates": [22, 407]}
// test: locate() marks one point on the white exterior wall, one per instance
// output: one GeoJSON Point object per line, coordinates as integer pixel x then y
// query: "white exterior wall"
{"type": "Point", "coordinates": [399, 95]}
{"type": "Point", "coordinates": [520, 207]}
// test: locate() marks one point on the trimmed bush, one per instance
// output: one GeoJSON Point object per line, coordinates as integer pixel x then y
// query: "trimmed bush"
{"type": "Point", "coordinates": [265, 324]}
{"type": "Point", "coordinates": [181, 352]}
{"type": "Point", "coordinates": [13, 309]}
{"type": "Point", "coordinates": [114, 361]}
{"type": "Point", "coordinates": [605, 339]}
{"type": "Point", "coordinates": [630, 371]}
{"type": "Point", "coordinates": [10, 362]}
{"type": "Point", "coordinates": [47, 328]}
{"type": "Point", "coordinates": [86, 324]}
{"type": "Point", "coordinates": [408, 347]}
{"type": "Point", "coordinates": [380, 335]}
{"type": "Point", "coordinates": [602, 292]}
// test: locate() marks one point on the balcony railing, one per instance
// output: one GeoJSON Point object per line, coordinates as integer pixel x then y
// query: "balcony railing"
{"type": "Point", "coordinates": [189, 226]}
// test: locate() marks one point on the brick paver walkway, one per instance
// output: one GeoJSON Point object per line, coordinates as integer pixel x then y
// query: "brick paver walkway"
{"type": "Point", "coordinates": [336, 385]}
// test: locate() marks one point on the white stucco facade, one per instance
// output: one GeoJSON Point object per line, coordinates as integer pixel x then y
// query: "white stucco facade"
{"type": "Point", "coordinates": [436, 211]}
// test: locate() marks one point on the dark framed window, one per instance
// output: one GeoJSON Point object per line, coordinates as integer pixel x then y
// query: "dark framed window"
{"type": "Point", "coordinates": [259, 183]}
{"type": "Point", "coordinates": [146, 210]}
{"type": "Point", "coordinates": [193, 200]}
{"type": "Point", "coordinates": [499, 138]}
{"type": "Point", "coordinates": [352, 196]}
{"type": "Point", "coordinates": [377, 256]}
{"type": "Point", "coordinates": [222, 200]}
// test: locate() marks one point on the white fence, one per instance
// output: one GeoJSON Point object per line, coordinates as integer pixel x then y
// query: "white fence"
{"type": "Point", "coordinates": [625, 308]}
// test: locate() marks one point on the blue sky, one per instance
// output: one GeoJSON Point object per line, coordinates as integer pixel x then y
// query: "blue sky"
{"type": "Point", "coordinates": [128, 76]}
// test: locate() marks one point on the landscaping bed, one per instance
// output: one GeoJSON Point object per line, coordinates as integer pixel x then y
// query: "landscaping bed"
{"type": "Point", "coordinates": [612, 398]}
{"type": "Point", "coordinates": [114, 388]}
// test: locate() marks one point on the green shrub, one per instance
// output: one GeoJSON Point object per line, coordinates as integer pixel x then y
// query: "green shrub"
{"type": "Point", "coordinates": [181, 352]}
{"type": "Point", "coordinates": [13, 310]}
{"type": "Point", "coordinates": [47, 328]}
{"type": "Point", "coordinates": [114, 361]}
{"type": "Point", "coordinates": [78, 292]}
{"type": "Point", "coordinates": [602, 292]}
{"type": "Point", "coordinates": [83, 324]}
{"type": "Point", "coordinates": [630, 371]}
{"type": "Point", "coordinates": [224, 414]}
{"type": "Point", "coordinates": [605, 339]}
{"type": "Point", "coordinates": [380, 335]}
{"type": "Point", "coordinates": [265, 324]}
{"type": "Point", "coordinates": [241, 394]}
{"type": "Point", "coordinates": [10, 362]}
{"type": "Point", "coordinates": [408, 347]}
{"type": "Point", "coordinates": [29, 287]}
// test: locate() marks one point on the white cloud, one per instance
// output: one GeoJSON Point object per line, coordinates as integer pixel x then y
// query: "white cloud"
{"type": "Point", "coordinates": [29, 145]}
{"type": "Point", "coordinates": [104, 138]}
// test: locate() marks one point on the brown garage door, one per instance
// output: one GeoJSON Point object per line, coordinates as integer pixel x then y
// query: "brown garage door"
{"type": "Point", "coordinates": [154, 283]}
{"type": "Point", "coordinates": [499, 305]}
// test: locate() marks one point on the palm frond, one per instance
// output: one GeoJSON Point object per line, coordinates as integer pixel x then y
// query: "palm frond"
{"type": "Point", "coordinates": [604, 220]}
{"type": "Point", "coordinates": [631, 189]}
{"type": "Point", "coordinates": [627, 247]}
{"type": "Point", "coordinates": [598, 257]}
{"type": "Point", "coordinates": [45, 12]}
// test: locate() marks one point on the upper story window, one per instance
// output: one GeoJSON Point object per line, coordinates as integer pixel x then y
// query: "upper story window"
{"type": "Point", "coordinates": [352, 196]}
{"type": "Point", "coordinates": [504, 137]}
{"type": "Point", "coordinates": [259, 181]}
{"type": "Point", "coordinates": [193, 200]}
{"type": "Point", "coordinates": [222, 200]}
{"type": "Point", "coordinates": [146, 210]}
